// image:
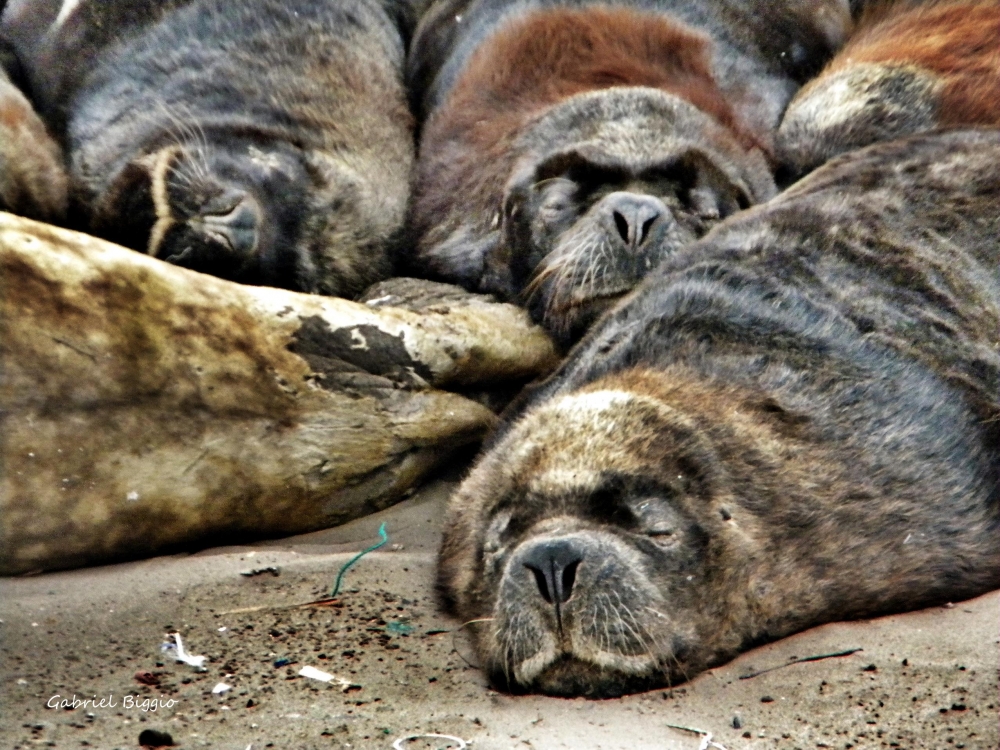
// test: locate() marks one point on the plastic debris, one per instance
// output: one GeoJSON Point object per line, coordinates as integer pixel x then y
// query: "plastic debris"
{"type": "Point", "coordinates": [315, 674]}
{"type": "Point", "coordinates": [340, 576]}
{"type": "Point", "coordinates": [221, 688]}
{"type": "Point", "coordinates": [282, 662]}
{"type": "Point", "coordinates": [398, 744]}
{"type": "Point", "coordinates": [318, 674]}
{"type": "Point", "coordinates": [198, 662]}
{"type": "Point", "coordinates": [399, 627]}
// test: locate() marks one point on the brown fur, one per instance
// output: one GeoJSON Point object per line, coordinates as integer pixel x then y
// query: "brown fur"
{"type": "Point", "coordinates": [909, 68]}
{"type": "Point", "coordinates": [958, 41]}
{"type": "Point", "coordinates": [33, 180]}
{"type": "Point", "coordinates": [790, 422]}
{"type": "Point", "coordinates": [542, 60]}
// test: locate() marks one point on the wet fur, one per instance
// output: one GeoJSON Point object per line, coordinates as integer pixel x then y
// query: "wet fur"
{"type": "Point", "coordinates": [290, 116]}
{"type": "Point", "coordinates": [809, 398]}
{"type": "Point", "coordinates": [910, 67]}
{"type": "Point", "coordinates": [487, 81]}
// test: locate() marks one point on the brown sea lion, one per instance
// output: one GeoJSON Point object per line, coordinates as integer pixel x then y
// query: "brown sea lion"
{"type": "Point", "coordinates": [910, 67]}
{"type": "Point", "coordinates": [569, 147]}
{"type": "Point", "coordinates": [33, 180]}
{"type": "Point", "coordinates": [794, 420]}
{"type": "Point", "coordinates": [263, 141]}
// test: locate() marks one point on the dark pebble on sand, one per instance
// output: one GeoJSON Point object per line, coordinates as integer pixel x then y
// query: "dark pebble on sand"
{"type": "Point", "coordinates": [767, 699]}
{"type": "Point", "coordinates": [153, 738]}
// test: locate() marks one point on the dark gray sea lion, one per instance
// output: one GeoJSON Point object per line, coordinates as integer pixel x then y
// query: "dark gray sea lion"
{"type": "Point", "coordinates": [910, 67]}
{"type": "Point", "coordinates": [263, 141]}
{"type": "Point", "coordinates": [794, 420]}
{"type": "Point", "coordinates": [569, 147]}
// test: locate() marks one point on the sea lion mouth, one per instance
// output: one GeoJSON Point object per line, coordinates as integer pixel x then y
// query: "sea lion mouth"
{"type": "Point", "coordinates": [568, 675]}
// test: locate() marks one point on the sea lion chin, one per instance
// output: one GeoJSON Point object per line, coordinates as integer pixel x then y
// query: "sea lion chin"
{"type": "Point", "coordinates": [793, 420]}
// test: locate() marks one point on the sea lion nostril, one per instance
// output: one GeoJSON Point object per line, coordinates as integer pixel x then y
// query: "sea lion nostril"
{"type": "Point", "coordinates": [568, 579]}
{"type": "Point", "coordinates": [622, 225]}
{"type": "Point", "coordinates": [543, 586]}
{"type": "Point", "coordinates": [647, 225]}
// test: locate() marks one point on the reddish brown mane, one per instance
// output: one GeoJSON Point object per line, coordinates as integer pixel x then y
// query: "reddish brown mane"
{"type": "Point", "coordinates": [960, 41]}
{"type": "Point", "coordinates": [538, 61]}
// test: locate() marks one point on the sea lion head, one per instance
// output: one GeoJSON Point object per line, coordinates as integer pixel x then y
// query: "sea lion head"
{"type": "Point", "coordinates": [580, 548]}
{"type": "Point", "coordinates": [611, 182]}
{"type": "Point", "coordinates": [256, 211]}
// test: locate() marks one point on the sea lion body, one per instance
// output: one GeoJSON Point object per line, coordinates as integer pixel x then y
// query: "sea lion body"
{"type": "Point", "coordinates": [792, 421]}
{"type": "Point", "coordinates": [570, 146]}
{"type": "Point", "coordinates": [910, 67]}
{"type": "Point", "coordinates": [263, 141]}
{"type": "Point", "coordinates": [33, 180]}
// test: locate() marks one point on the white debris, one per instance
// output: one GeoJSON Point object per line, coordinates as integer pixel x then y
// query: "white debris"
{"type": "Point", "coordinates": [198, 662]}
{"type": "Point", "coordinates": [315, 674]}
{"type": "Point", "coordinates": [461, 744]}
{"type": "Point", "coordinates": [221, 688]}
{"type": "Point", "coordinates": [318, 674]}
{"type": "Point", "coordinates": [132, 496]}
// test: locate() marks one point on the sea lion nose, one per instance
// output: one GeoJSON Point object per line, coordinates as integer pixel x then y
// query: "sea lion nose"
{"type": "Point", "coordinates": [633, 216]}
{"type": "Point", "coordinates": [232, 221]}
{"type": "Point", "coordinates": [554, 564]}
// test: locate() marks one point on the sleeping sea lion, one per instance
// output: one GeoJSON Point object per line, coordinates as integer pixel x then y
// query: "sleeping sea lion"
{"type": "Point", "coordinates": [33, 180]}
{"type": "Point", "coordinates": [263, 141]}
{"type": "Point", "coordinates": [910, 67]}
{"type": "Point", "coordinates": [794, 420]}
{"type": "Point", "coordinates": [571, 146]}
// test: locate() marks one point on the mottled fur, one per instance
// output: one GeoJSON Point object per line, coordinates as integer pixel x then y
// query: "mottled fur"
{"type": "Point", "coordinates": [674, 106]}
{"type": "Point", "coordinates": [909, 68]}
{"type": "Point", "coordinates": [794, 420]}
{"type": "Point", "coordinates": [265, 141]}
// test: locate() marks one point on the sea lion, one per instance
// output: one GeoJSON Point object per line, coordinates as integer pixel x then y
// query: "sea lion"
{"type": "Point", "coordinates": [263, 141]}
{"type": "Point", "coordinates": [33, 180]}
{"type": "Point", "coordinates": [569, 147]}
{"type": "Point", "coordinates": [910, 67]}
{"type": "Point", "coordinates": [794, 420]}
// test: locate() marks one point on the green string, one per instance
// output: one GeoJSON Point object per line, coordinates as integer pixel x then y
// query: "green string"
{"type": "Point", "coordinates": [362, 553]}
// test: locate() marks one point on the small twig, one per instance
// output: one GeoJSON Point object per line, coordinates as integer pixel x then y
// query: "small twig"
{"type": "Point", "coordinates": [818, 657]}
{"type": "Point", "coordinates": [326, 601]}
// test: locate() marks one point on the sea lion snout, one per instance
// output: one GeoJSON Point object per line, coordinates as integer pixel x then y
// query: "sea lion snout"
{"type": "Point", "coordinates": [630, 219]}
{"type": "Point", "coordinates": [553, 563]}
{"type": "Point", "coordinates": [231, 222]}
